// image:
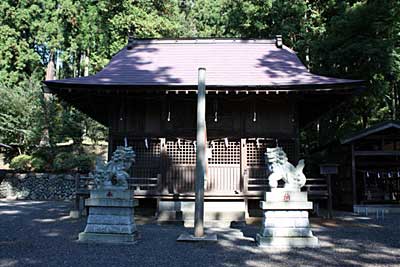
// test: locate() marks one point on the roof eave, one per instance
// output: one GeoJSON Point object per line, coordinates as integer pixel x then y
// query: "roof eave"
{"type": "Point", "coordinates": [358, 85]}
{"type": "Point", "coordinates": [369, 131]}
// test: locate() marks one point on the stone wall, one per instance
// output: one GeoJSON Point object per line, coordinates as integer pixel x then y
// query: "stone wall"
{"type": "Point", "coordinates": [37, 186]}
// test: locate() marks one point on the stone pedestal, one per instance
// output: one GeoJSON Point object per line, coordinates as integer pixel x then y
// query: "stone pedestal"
{"type": "Point", "coordinates": [111, 217]}
{"type": "Point", "coordinates": [285, 220]}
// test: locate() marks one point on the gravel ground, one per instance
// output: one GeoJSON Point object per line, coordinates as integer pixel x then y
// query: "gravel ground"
{"type": "Point", "coordinates": [34, 233]}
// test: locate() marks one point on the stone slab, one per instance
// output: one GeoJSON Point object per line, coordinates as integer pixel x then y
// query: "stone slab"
{"type": "Point", "coordinates": [74, 214]}
{"type": "Point", "coordinates": [286, 232]}
{"type": "Point", "coordinates": [108, 238]}
{"type": "Point", "coordinates": [289, 205]}
{"type": "Point", "coordinates": [110, 219]}
{"type": "Point", "coordinates": [102, 202]}
{"type": "Point", "coordinates": [287, 242]}
{"type": "Point", "coordinates": [110, 229]}
{"type": "Point", "coordinates": [191, 238]}
{"type": "Point", "coordinates": [222, 216]}
{"type": "Point", "coordinates": [209, 206]}
{"type": "Point", "coordinates": [209, 223]}
{"type": "Point", "coordinates": [111, 211]}
{"type": "Point", "coordinates": [286, 222]}
{"type": "Point", "coordinates": [111, 193]}
{"type": "Point", "coordinates": [285, 214]}
{"type": "Point", "coordinates": [281, 195]}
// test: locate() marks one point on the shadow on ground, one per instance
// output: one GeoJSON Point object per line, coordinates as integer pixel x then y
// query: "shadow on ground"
{"type": "Point", "coordinates": [35, 233]}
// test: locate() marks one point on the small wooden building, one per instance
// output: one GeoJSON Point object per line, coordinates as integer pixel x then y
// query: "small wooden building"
{"type": "Point", "coordinates": [259, 94]}
{"type": "Point", "coordinates": [372, 167]}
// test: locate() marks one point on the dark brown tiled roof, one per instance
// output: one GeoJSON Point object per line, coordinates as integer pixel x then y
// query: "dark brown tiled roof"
{"type": "Point", "coordinates": [231, 63]}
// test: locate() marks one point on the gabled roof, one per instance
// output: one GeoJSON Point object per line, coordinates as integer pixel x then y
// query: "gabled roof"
{"type": "Point", "coordinates": [228, 63]}
{"type": "Point", "coordinates": [371, 130]}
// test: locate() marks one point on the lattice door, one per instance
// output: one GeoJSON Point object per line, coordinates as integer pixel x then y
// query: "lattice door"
{"type": "Point", "coordinates": [181, 166]}
{"type": "Point", "coordinates": [223, 168]}
{"type": "Point", "coordinates": [147, 167]}
{"type": "Point", "coordinates": [257, 169]}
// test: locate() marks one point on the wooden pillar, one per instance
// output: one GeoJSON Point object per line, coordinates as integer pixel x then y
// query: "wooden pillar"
{"type": "Point", "coordinates": [244, 173]}
{"type": "Point", "coordinates": [110, 145]}
{"type": "Point", "coordinates": [243, 165]}
{"type": "Point", "coordinates": [201, 164]}
{"type": "Point", "coordinates": [296, 125]}
{"type": "Point", "coordinates": [163, 166]}
{"type": "Point", "coordinates": [353, 175]}
{"type": "Point", "coordinates": [330, 200]}
{"type": "Point", "coordinates": [77, 196]}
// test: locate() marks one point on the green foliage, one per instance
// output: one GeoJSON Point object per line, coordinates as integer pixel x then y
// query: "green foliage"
{"type": "Point", "coordinates": [347, 38]}
{"type": "Point", "coordinates": [67, 161]}
{"type": "Point", "coordinates": [20, 115]}
{"type": "Point", "coordinates": [21, 163]}
{"type": "Point", "coordinates": [84, 163]}
{"type": "Point", "coordinates": [38, 164]}
{"type": "Point", "coordinates": [64, 161]}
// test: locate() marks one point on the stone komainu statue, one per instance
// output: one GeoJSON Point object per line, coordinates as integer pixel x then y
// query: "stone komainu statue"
{"type": "Point", "coordinates": [281, 168]}
{"type": "Point", "coordinates": [114, 172]}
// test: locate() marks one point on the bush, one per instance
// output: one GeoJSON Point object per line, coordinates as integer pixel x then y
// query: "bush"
{"type": "Point", "coordinates": [63, 162]}
{"type": "Point", "coordinates": [38, 164]}
{"type": "Point", "coordinates": [84, 162]}
{"type": "Point", "coordinates": [21, 163]}
{"type": "Point", "coordinates": [66, 161]}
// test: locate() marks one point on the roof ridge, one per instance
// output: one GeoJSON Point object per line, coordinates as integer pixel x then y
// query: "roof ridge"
{"type": "Point", "coordinates": [202, 41]}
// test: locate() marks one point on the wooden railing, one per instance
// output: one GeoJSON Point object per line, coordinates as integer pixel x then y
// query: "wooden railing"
{"type": "Point", "coordinates": [83, 184]}
{"type": "Point", "coordinates": [317, 188]}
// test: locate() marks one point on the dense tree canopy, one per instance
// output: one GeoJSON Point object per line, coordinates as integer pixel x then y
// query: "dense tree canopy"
{"type": "Point", "coordinates": [344, 38]}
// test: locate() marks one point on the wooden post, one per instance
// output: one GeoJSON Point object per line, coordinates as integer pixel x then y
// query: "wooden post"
{"type": "Point", "coordinates": [163, 166]}
{"type": "Point", "coordinates": [77, 197]}
{"type": "Point", "coordinates": [353, 174]}
{"type": "Point", "coordinates": [329, 183]}
{"type": "Point", "coordinates": [110, 145]}
{"type": "Point", "coordinates": [200, 155]}
{"type": "Point", "coordinates": [243, 165]}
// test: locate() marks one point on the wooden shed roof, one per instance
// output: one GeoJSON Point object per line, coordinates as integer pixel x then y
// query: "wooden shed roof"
{"type": "Point", "coordinates": [229, 63]}
{"type": "Point", "coordinates": [371, 130]}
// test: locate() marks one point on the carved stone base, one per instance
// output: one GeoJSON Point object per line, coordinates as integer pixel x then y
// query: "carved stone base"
{"type": "Point", "coordinates": [111, 217]}
{"type": "Point", "coordinates": [108, 238]}
{"type": "Point", "coordinates": [285, 220]}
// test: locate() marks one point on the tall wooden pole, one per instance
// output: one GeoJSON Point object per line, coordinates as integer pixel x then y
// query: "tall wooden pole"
{"type": "Point", "coordinates": [201, 163]}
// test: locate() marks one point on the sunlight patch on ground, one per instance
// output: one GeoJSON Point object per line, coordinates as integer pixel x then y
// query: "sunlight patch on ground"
{"type": "Point", "coordinates": [345, 222]}
{"type": "Point", "coordinates": [44, 220]}
{"type": "Point", "coordinates": [50, 233]}
{"type": "Point", "coordinates": [51, 220]}
{"type": "Point", "coordinates": [344, 250]}
{"type": "Point", "coordinates": [10, 202]}
{"type": "Point", "coordinates": [378, 255]}
{"type": "Point", "coordinates": [8, 262]}
{"type": "Point", "coordinates": [9, 212]}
